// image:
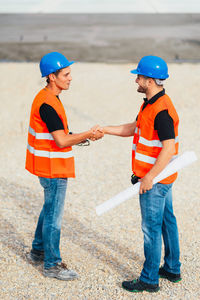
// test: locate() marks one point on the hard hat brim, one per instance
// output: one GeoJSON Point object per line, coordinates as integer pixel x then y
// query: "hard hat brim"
{"type": "Point", "coordinates": [70, 63]}
{"type": "Point", "coordinates": [64, 66]}
{"type": "Point", "coordinates": [134, 71]}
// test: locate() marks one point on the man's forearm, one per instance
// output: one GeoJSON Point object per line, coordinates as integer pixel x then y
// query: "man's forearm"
{"type": "Point", "coordinates": [63, 140]}
{"type": "Point", "coordinates": [66, 140]}
{"type": "Point", "coordinates": [124, 130]}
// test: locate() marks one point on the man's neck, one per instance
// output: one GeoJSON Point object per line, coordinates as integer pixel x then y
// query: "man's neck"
{"type": "Point", "coordinates": [53, 89]}
{"type": "Point", "coordinates": [152, 92]}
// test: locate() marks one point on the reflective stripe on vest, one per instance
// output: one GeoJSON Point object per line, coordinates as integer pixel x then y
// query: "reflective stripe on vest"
{"type": "Point", "coordinates": [148, 159]}
{"type": "Point", "coordinates": [138, 130]}
{"type": "Point", "coordinates": [50, 154]}
{"type": "Point", "coordinates": [40, 136]}
{"type": "Point", "coordinates": [134, 147]}
{"type": "Point", "coordinates": [154, 143]}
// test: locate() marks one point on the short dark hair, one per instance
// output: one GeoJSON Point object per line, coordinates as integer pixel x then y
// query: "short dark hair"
{"type": "Point", "coordinates": [56, 73]}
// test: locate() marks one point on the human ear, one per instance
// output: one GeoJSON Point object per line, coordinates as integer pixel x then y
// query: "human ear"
{"type": "Point", "coordinates": [52, 77]}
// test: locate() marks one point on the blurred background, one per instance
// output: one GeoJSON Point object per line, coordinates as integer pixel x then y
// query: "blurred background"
{"type": "Point", "coordinates": [100, 30]}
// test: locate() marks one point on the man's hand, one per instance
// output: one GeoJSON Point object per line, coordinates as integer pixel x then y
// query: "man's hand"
{"type": "Point", "coordinates": [96, 133]}
{"type": "Point", "coordinates": [146, 183]}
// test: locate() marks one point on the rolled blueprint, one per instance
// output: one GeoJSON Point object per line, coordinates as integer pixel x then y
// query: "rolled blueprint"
{"type": "Point", "coordinates": [175, 165]}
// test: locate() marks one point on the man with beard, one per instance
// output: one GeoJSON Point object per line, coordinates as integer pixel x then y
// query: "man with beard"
{"type": "Point", "coordinates": [155, 143]}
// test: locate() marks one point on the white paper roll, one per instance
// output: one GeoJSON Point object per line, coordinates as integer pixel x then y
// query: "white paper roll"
{"type": "Point", "coordinates": [175, 165]}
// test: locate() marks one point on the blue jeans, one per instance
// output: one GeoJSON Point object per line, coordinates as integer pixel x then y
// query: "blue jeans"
{"type": "Point", "coordinates": [158, 220]}
{"type": "Point", "coordinates": [47, 234]}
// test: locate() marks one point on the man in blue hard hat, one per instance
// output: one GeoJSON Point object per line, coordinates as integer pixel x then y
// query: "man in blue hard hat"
{"type": "Point", "coordinates": [155, 143]}
{"type": "Point", "coordinates": [49, 156]}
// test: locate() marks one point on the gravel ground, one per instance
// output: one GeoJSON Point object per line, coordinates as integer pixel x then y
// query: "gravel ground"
{"type": "Point", "coordinates": [103, 250]}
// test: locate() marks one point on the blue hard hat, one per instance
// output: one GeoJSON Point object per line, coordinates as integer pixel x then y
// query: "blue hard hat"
{"type": "Point", "coordinates": [152, 66]}
{"type": "Point", "coordinates": [53, 61]}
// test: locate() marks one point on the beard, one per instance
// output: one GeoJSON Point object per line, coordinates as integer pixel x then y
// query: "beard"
{"type": "Point", "coordinates": [141, 89]}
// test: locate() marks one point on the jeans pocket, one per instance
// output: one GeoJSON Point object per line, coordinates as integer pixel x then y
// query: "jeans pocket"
{"type": "Point", "coordinates": [45, 182]}
{"type": "Point", "coordinates": [62, 182]}
{"type": "Point", "coordinates": [163, 189]}
{"type": "Point", "coordinates": [63, 179]}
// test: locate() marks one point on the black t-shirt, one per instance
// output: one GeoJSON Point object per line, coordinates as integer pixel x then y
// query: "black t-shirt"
{"type": "Point", "coordinates": [163, 122]}
{"type": "Point", "coordinates": [164, 125]}
{"type": "Point", "coordinates": [50, 117]}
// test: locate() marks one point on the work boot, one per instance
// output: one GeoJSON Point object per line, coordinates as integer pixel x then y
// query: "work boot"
{"type": "Point", "coordinates": [60, 271]}
{"type": "Point", "coordinates": [36, 257]}
{"type": "Point", "coordinates": [137, 285]}
{"type": "Point", "coordinates": [169, 276]}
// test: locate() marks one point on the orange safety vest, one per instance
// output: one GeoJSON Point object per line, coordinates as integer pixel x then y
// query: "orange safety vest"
{"type": "Point", "coordinates": [43, 157]}
{"type": "Point", "coordinates": [146, 143]}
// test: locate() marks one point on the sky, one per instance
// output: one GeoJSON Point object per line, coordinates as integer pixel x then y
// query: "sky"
{"type": "Point", "coordinates": [99, 6]}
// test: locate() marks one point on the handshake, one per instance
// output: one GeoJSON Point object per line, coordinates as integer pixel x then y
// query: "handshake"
{"type": "Point", "coordinates": [96, 133]}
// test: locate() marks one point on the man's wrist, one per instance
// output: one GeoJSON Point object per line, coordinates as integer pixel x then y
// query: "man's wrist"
{"type": "Point", "coordinates": [149, 176]}
{"type": "Point", "coordinates": [105, 130]}
{"type": "Point", "coordinates": [90, 134]}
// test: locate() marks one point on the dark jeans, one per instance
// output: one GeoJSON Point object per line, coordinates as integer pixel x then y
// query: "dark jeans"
{"type": "Point", "coordinates": [47, 234]}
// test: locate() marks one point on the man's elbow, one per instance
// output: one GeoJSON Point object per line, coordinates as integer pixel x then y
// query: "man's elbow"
{"type": "Point", "coordinates": [61, 140]}
{"type": "Point", "coordinates": [169, 146]}
{"type": "Point", "coordinates": [172, 150]}
{"type": "Point", "coordinates": [60, 143]}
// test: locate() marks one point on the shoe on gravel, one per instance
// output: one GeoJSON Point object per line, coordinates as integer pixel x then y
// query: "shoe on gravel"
{"type": "Point", "coordinates": [36, 257]}
{"type": "Point", "coordinates": [61, 272]}
{"type": "Point", "coordinates": [169, 276]}
{"type": "Point", "coordinates": [137, 285]}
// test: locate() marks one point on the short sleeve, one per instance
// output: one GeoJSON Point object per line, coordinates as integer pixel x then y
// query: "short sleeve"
{"type": "Point", "coordinates": [164, 125]}
{"type": "Point", "coordinates": [50, 117]}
